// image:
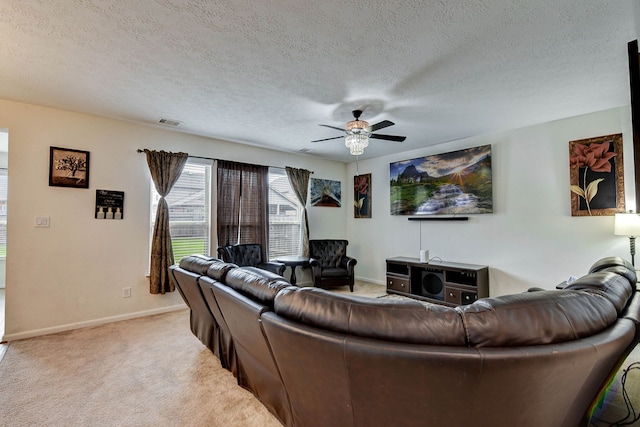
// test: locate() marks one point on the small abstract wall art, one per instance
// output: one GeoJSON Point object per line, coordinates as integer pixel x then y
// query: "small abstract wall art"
{"type": "Point", "coordinates": [325, 192]}
{"type": "Point", "coordinates": [362, 196]}
{"type": "Point", "coordinates": [459, 182]}
{"type": "Point", "coordinates": [597, 176]}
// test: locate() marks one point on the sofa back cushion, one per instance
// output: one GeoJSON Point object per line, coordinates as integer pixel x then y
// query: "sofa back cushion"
{"type": "Point", "coordinates": [610, 282]}
{"type": "Point", "coordinates": [533, 318]}
{"type": "Point", "coordinates": [385, 319]}
{"type": "Point", "coordinates": [258, 284]}
{"type": "Point", "coordinates": [616, 264]}
{"type": "Point", "coordinates": [197, 264]}
{"type": "Point", "coordinates": [218, 270]}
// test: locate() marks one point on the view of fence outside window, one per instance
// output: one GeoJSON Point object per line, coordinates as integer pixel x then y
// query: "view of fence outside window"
{"type": "Point", "coordinates": [285, 215]}
{"type": "Point", "coordinates": [189, 210]}
{"type": "Point", "coordinates": [190, 213]}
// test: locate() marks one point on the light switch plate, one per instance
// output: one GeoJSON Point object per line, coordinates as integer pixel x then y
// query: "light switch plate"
{"type": "Point", "coordinates": [42, 221]}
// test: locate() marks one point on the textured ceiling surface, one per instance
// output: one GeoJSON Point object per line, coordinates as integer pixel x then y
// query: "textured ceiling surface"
{"type": "Point", "coordinates": [268, 72]}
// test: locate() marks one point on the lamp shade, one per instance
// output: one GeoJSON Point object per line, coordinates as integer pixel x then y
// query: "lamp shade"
{"type": "Point", "coordinates": [627, 224]}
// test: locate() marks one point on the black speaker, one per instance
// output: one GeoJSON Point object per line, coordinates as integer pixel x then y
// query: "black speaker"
{"type": "Point", "coordinates": [432, 285]}
{"type": "Point", "coordinates": [468, 297]}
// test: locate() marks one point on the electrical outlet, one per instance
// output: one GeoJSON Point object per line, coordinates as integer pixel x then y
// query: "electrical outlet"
{"type": "Point", "coordinates": [42, 221]}
{"type": "Point", "coordinates": [126, 292]}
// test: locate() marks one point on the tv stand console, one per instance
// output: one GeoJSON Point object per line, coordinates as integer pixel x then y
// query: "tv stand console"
{"type": "Point", "coordinates": [447, 283]}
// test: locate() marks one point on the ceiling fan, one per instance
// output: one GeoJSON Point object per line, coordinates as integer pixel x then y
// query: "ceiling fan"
{"type": "Point", "coordinates": [358, 133]}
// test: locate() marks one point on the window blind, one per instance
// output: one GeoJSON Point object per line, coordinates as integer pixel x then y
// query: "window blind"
{"type": "Point", "coordinates": [285, 215]}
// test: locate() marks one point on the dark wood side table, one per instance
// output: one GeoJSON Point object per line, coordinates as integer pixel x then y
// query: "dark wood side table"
{"type": "Point", "coordinates": [293, 262]}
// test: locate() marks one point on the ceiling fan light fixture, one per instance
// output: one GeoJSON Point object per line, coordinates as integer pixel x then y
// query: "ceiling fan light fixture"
{"type": "Point", "coordinates": [358, 133]}
{"type": "Point", "coordinates": [357, 126]}
{"type": "Point", "coordinates": [356, 143]}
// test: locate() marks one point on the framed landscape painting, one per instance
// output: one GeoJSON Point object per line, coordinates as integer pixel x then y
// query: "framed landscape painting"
{"type": "Point", "coordinates": [459, 182]}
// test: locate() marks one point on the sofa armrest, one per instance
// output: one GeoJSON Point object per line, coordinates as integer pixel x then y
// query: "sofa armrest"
{"type": "Point", "coordinates": [316, 268]}
{"type": "Point", "coordinates": [348, 263]}
{"type": "Point", "coordinates": [272, 266]}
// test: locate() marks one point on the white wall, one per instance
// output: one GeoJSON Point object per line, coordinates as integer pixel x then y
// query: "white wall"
{"type": "Point", "coordinates": [72, 274]}
{"type": "Point", "coordinates": [531, 239]}
{"type": "Point", "coordinates": [636, 13]}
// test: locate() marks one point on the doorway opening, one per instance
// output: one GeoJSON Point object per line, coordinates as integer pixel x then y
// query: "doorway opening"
{"type": "Point", "coordinates": [4, 169]}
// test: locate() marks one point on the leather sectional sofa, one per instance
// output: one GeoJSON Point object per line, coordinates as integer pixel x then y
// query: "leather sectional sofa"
{"type": "Point", "coordinates": [317, 358]}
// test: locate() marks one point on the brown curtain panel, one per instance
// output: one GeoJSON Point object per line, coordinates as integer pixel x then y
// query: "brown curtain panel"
{"type": "Point", "coordinates": [243, 204]}
{"type": "Point", "coordinates": [299, 180]}
{"type": "Point", "coordinates": [165, 168]}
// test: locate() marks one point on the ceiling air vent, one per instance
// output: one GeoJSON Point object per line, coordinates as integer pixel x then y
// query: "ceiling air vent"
{"type": "Point", "coordinates": [170, 122]}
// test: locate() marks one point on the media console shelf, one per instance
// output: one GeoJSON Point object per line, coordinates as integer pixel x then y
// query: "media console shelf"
{"type": "Point", "coordinates": [447, 283]}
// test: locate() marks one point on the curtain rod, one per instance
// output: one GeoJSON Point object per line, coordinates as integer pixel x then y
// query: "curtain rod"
{"type": "Point", "coordinates": [212, 158]}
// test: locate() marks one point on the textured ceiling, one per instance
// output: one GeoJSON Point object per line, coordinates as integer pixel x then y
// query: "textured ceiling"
{"type": "Point", "coordinates": [268, 72]}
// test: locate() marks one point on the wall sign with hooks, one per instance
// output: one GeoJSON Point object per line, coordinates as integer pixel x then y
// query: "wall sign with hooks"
{"type": "Point", "coordinates": [109, 204]}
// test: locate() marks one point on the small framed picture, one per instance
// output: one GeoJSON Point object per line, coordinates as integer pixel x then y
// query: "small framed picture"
{"type": "Point", "coordinates": [362, 196]}
{"type": "Point", "coordinates": [325, 192]}
{"type": "Point", "coordinates": [68, 168]}
{"type": "Point", "coordinates": [109, 204]}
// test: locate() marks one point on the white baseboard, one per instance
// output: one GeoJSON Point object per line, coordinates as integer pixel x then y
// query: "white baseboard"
{"type": "Point", "coordinates": [90, 323]}
{"type": "Point", "coordinates": [368, 280]}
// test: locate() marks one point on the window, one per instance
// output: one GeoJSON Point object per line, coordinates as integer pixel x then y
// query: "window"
{"type": "Point", "coordinates": [285, 216]}
{"type": "Point", "coordinates": [242, 201]}
{"type": "Point", "coordinates": [189, 210]}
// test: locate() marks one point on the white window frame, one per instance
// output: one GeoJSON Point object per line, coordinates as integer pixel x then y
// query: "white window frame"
{"type": "Point", "coordinates": [288, 208]}
{"type": "Point", "coordinates": [210, 242]}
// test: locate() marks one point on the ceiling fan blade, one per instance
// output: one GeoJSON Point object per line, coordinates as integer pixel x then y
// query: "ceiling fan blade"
{"type": "Point", "coordinates": [381, 125]}
{"type": "Point", "coordinates": [327, 139]}
{"type": "Point", "coordinates": [333, 127]}
{"type": "Point", "coordinates": [395, 138]}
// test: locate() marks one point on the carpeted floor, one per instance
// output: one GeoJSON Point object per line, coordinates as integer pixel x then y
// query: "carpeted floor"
{"type": "Point", "coordinates": [144, 372]}
{"type": "Point", "coordinates": [153, 372]}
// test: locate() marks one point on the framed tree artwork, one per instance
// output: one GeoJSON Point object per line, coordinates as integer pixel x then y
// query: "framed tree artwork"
{"type": "Point", "coordinates": [362, 196]}
{"type": "Point", "coordinates": [597, 176]}
{"type": "Point", "coordinates": [68, 168]}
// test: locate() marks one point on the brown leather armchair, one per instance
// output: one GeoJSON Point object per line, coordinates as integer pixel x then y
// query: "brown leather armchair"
{"type": "Point", "coordinates": [330, 265]}
{"type": "Point", "coordinates": [249, 255]}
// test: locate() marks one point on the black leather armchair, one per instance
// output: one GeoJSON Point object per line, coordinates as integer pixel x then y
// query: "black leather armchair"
{"type": "Point", "coordinates": [330, 265]}
{"type": "Point", "coordinates": [249, 255]}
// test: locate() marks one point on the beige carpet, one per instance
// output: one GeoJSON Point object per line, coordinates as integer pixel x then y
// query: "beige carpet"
{"type": "Point", "coordinates": [153, 372]}
{"type": "Point", "coordinates": [365, 289]}
{"type": "Point", "coordinates": [143, 372]}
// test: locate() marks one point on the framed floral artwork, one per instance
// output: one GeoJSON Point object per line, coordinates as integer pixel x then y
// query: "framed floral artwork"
{"type": "Point", "coordinates": [597, 176]}
{"type": "Point", "coordinates": [362, 196]}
